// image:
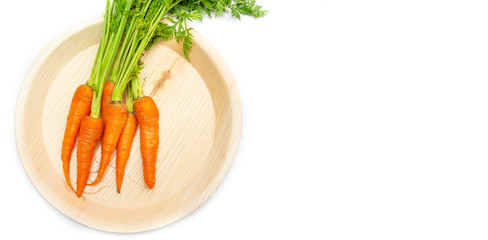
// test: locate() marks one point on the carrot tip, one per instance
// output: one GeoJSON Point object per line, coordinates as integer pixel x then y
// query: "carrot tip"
{"type": "Point", "coordinates": [94, 182]}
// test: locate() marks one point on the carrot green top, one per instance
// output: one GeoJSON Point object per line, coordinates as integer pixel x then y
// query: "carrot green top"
{"type": "Point", "coordinates": [132, 93]}
{"type": "Point", "coordinates": [133, 26]}
{"type": "Point", "coordinates": [113, 28]}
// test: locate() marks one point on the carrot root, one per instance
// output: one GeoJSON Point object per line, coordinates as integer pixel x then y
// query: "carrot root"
{"type": "Point", "coordinates": [106, 96]}
{"type": "Point", "coordinates": [90, 133]}
{"type": "Point", "coordinates": [80, 107]}
{"type": "Point", "coordinates": [123, 148]}
{"type": "Point", "coordinates": [148, 117]}
{"type": "Point", "coordinates": [114, 122]}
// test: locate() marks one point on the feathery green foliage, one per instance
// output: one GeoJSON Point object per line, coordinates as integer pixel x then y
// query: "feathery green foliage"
{"type": "Point", "coordinates": [134, 26]}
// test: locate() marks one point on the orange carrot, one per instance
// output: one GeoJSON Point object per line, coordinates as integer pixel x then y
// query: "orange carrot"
{"type": "Point", "coordinates": [123, 148]}
{"type": "Point", "coordinates": [106, 96]}
{"type": "Point", "coordinates": [90, 133]}
{"type": "Point", "coordinates": [114, 121]}
{"type": "Point", "coordinates": [148, 117]}
{"type": "Point", "coordinates": [80, 107]}
{"type": "Point", "coordinates": [91, 128]}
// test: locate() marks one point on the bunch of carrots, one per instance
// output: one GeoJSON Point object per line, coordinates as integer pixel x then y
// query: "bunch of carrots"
{"type": "Point", "coordinates": [98, 111]}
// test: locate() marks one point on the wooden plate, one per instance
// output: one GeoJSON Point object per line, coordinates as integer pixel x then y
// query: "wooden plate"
{"type": "Point", "coordinates": [199, 129]}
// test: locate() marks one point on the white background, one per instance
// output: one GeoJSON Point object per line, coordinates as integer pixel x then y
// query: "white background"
{"type": "Point", "coordinates": [361, 120]}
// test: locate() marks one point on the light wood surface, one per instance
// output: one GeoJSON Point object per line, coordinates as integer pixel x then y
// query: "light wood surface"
{"type": "Point", "coordinates": [200, 126]}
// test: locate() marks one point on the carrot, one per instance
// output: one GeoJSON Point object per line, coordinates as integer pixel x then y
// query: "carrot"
{"type": "Point", "coordinates": [92, 127]}
{"type": "Point", "coordinates": [106, 96]}
{"type": "Point", "coordinates": [126, 137]}
{"type": "Point", "coordinates": [90, 133]}
{"type": "Point", "coordinates": [147, 114]}
{"type": "Point", "coordinates": [80, 107]}
{"type": "Point", "coordinates": [136, 26]}
{"type": "Point", "coordinates": [123, 148]}
{"type": "Point", "coordinates": [114, 121]}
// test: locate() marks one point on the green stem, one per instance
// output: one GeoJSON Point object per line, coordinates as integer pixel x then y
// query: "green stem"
{"type": "Point", "coordinates": [174, 4]}
{"type": "Point", "coordinates": [127, 54]}
{"type": "Point", "coordinates": [101, 47]}
{"type": "Point", "coordinates": [129, 95]}
{"type": "Point", "coordinates": [106, 61]}
{"type": "Point", "coordinates": [121, 84]}
{"type": "Point", "coordinates": [137, 88]}
{"type": "Point", "coordinates": [122, 56]}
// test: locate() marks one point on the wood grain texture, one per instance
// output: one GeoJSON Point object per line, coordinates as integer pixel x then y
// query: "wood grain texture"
{"type": "Point", "coordinates": [200, 126]}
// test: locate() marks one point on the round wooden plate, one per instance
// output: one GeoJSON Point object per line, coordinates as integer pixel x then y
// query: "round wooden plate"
{"type": "Point", "coordinates": [200, 127]}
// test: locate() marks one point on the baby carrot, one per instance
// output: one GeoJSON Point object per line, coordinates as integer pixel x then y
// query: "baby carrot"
{"type": "Point", "coordinates": [125, 141]}
{"type": "Point", "coordinates": [80, 107]}
{"type": "Point", "coordinates": [92, 126]}
{"type": "Point", "coordinates": [106, 96]}
{"type": "Point", "coordinates": [114, 121]}
{"type": "Point", "coordinates": [90, 133]}
{"type": "Point", "coordinates": [148, 117]}
{"type": "Point", "coordinates": [123, 148]}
